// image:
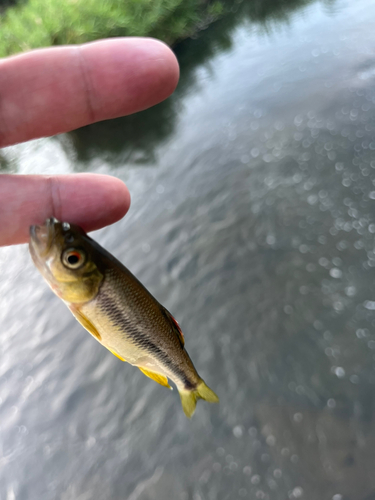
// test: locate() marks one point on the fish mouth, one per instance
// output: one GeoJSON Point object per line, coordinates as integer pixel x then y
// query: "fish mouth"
{"type": "Point", "coordinates": [41, 236]}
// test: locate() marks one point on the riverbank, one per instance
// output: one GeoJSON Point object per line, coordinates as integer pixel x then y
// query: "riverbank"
{"type": "Point", "coordinates": [42, 23]}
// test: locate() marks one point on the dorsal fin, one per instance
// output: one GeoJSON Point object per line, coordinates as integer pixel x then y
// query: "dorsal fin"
{"type": "Point", "coordinates": [175, 327]}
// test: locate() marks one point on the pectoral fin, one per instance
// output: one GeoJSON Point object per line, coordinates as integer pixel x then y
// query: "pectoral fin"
{"type": "Point", "coordinates": [86, 323]}
{"type": "Point", "coordinates": [160, 379]}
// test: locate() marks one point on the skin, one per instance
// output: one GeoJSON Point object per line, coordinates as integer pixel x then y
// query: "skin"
{"type": "Point", "coordinates": [50, 91]}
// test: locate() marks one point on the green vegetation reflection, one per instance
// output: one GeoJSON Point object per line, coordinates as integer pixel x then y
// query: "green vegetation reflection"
{"type": "Point", "coordinates": [41, 23]}
{"type": "Point", "coordinates": [134, 138]}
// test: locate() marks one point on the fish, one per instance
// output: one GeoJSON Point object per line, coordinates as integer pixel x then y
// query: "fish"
{"type": "Point", "coordinates": [115, 308]}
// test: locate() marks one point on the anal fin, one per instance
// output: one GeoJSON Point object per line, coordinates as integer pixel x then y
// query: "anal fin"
{"type": "Point", "coordinates": [160, 379]}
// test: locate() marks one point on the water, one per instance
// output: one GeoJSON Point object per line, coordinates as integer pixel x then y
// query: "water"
{"type": "Point", "coordinates": [253, 221]}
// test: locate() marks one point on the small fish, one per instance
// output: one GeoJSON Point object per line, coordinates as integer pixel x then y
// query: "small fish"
{"type": "Point", "coordinates": [116, 308]}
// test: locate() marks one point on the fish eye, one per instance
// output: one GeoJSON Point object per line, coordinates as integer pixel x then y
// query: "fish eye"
{"type": "Point", "coordinates": [73, 258]}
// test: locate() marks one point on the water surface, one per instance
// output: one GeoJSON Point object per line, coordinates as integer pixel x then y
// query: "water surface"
{"type": "Point", "coordinates": [253, 221]}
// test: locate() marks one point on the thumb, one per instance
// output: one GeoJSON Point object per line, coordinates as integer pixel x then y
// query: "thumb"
{"type": "Point", "coordinates": [89, 200]}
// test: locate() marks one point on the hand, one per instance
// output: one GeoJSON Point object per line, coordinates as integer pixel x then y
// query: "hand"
{"type": "Point", "coordinates": [50, 91]}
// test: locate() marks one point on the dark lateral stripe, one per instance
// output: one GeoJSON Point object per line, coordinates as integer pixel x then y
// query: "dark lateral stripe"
{"type": "Point", "coordinates": [117, 317]}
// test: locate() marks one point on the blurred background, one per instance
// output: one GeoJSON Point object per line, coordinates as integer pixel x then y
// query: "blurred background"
{"type": "Point", "coordinates": [253, 222]}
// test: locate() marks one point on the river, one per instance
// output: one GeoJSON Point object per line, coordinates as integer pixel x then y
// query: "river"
{"type": "Point", "coordinates": [253, 222]}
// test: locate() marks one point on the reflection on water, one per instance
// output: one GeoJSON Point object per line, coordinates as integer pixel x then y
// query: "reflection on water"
{"type": "Point", "coordinates": [4, 164]}
{"type": "Point", "coordinates": [134, 138]}
{"type": "Point", "coordinates": [131, 138]}
{"type": "Point", "coordinates": [255, 227]}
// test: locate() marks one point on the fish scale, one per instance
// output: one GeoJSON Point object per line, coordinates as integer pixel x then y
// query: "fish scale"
{"type": "Point", "coordinates": [116, 308]}
{"type": "Point", "coordinates": [139, 332]}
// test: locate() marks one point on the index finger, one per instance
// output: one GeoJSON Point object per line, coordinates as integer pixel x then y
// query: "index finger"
{"type": "Point", "coordinates": [50, 91]}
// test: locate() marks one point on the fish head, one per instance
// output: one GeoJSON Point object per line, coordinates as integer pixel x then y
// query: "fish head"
{"type": "Point", "coordinates": [63, 254]}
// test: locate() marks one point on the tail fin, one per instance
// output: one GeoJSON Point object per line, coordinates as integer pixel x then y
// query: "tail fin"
{"type": "Point", "coordinates": [189, 397]}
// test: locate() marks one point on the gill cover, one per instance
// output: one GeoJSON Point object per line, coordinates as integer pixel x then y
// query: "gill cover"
{"type": "Point", "coordinates": [64, 255]}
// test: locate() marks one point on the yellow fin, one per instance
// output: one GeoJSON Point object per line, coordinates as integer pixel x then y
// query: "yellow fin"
{"type": "Point", "coordinates": [115, 354]}
{"type": "Point", "coordinates": [160, 379]}
{"type": "Point", "coordinates": [86, 323]}
{"type": "Point", "coordinates": [189, 397]}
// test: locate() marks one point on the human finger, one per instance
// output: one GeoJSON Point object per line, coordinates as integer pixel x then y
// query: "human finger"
{"type": "Point", "coordinates": [89, 200]}
{"type": "Point", "coordinates": [50, 91]}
